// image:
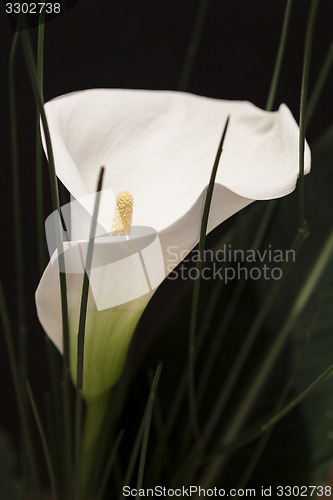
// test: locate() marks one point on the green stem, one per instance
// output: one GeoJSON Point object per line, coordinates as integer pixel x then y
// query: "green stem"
{"type": "Point", "coordinates": [272, 205]}
{"type": "Point", "coordinates": [232, 305]}
{"type": "Point", "coordinates": [321, 80]}
{"type": "Point", "coordinates": [302, 120]}
{"type": "Point", "coordinates": [48, 460]}
{"type": "Point", "coordinates": [134, 454]}
{"type": "Point", "coordinates": [109, 466]}
{"type": "Point", "coordinates": [270, 358]}
{"type": "Point", "coordinates": [81, 339]}
{"type": "Point", "coordinates": [39, 153]}
{"type": "Point", "coordinates": [145, 437]}
{"type": "Point", "coordinates": [19, 393]}
{"type": "Point", "coordinates": [279, 57]}
{"type": "Point", "coordinates": [180, 393]}
{"type": "Point", "coordinates": [254, 434]}
{"type": "Point", "coordinates": [19, 261]}
{"type": "Point", "coordinates": [115, 406]}
{"type": "Point", "coordinates": [18, 239]}
{"type": "Point", "coordinates": [30, 61]}
{"type": "Point", "coordinates": [194, 455]}
{"type": "Point", "coordinates": [249, 341]}
{"type": "Point", "coordinates": [246, 476]}
{"type": "Point", "coordinates": [196, 289]}
{"type": "Point", "coordinates": [51, 353]}
{"type": "Point", "coordinates": [295, 402]}
{"type": "Point", "coordinates": [193, 45]}
{"type": "Point", "coordinates": [269, 106]}
{"type": "Point", "coordinates": [142, 435]}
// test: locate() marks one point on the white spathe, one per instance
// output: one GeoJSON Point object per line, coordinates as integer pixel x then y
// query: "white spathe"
{"type": "Point", "coordinates": [160, 146]}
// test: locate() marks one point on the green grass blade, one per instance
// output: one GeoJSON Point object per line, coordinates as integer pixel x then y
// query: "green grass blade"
{"type": "Point", "coordinates": [227, 449]}
{"type": "Point", "coordinates": [18, 386]}
{"type": "Point", "coordinates": [271, 206]}
{"type": "Point", "coordinates": [109, 466]}
{"type": "Point", "coordinates": [196, 290]}
{"type": "Point", "coordinates": [303, 101]}
{"type": "Point", "coordinates": [44, 442]}
{"type": "Point", "coordinates": [302, 119]}
{"type": "Point", "coordinates": [140, 433]}
{"type": "Point", "coordinates": [17, 212]}
{"type": "Point", "coordinates": [81, 339]}
{"type": "Point", "coordinates": [253, 434]}
{"type": "Point", "coordinates": [279, 57]}
{"type": "Point", "coordinates": [193, 45]}
{"type": "Point", "coordinates": [39, 152]}
{"type": "Point", "coordinates": [234, 373]}
{"type": "Point", "coordinates": [179, 295]}
{"type": "Point", "coordinates": [114, 408]}
{"type": "Point", "coordinates": [21, 322]}
{"type": "Point", "coordinates": [147, 422]}
{"type": "Point", "coordinates": [202, 330]}
{"type": "Point", "coordinates": [232, 305]}
{"type": "Point", "coordinates": [295, 402]}
{"type": "Point", "coordinates": [215, 345]}
{"type": "Point", "coordinates": [180, 394]}
{"type": "Point", "coordinates": [159, 460]}
{"type": "Point", "coordinates": [246, 476]}
{"type": "Point", "coordinates": [249, 341]}
{"type": "Point", "coordinates": [51, 353]}
{"type": "Point", "coordinates": [319, 85]}
{"type": "Point", "coordinates": [270, 358]}
{"type": "Point", "coordinates": [134, 455]}
{"type": "Point", "coordinates": [30, 62]}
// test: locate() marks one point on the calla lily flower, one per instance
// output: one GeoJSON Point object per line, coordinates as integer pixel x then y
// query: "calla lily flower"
{"type": "Point", "coordinates": [159, 146]}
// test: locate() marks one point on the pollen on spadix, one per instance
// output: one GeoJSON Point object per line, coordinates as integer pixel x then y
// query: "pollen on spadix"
{"type": "Point", "coordinates": [123, 214]}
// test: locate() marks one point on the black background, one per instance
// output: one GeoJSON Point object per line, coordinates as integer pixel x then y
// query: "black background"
{"type": "Point", "coordinates": [142, 44]}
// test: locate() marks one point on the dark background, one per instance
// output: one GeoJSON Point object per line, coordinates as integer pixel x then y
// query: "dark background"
{"type": "Point", "coordinates": [142, 44]}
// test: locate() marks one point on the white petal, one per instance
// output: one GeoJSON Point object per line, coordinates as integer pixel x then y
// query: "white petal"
{"type": "Point", "coordinates": [160, 146]}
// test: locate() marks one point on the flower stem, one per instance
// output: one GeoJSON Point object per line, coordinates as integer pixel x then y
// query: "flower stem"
{"type": "Point", "coordinates": [93, 424]}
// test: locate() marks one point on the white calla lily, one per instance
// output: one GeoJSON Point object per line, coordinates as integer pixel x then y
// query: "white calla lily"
{"type": "Point", "coordinates": [160, 147]}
